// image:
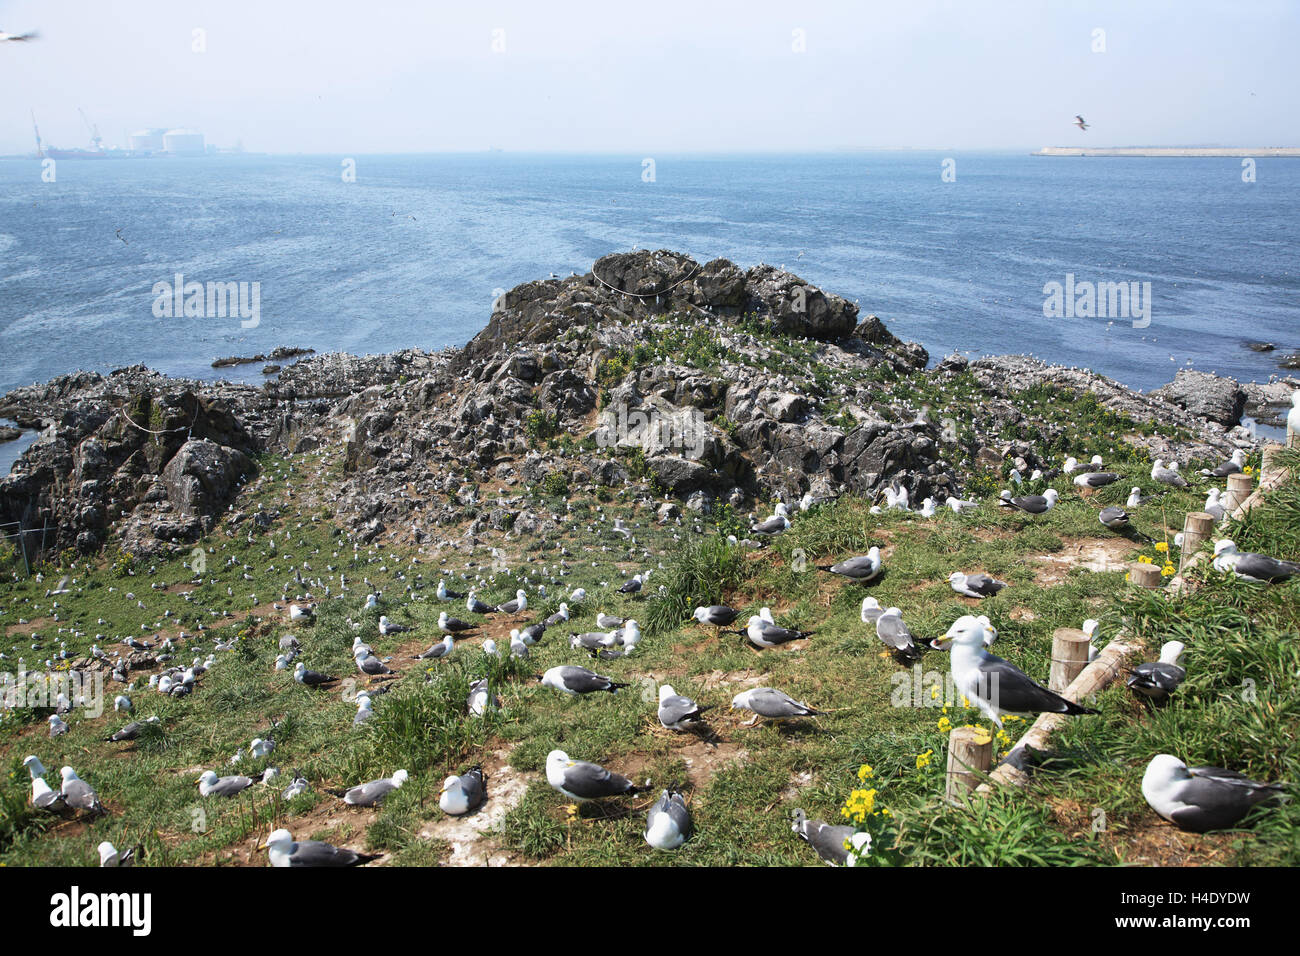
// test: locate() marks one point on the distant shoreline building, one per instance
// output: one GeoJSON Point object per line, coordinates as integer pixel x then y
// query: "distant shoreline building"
{"type": "Point", "coordinates": [183, 142]}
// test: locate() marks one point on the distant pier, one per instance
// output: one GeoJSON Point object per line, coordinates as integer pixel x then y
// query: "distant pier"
{"type": "Point", "coordinates": [1159, 151]}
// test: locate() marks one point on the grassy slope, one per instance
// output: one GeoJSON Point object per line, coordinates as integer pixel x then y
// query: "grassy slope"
{"type": "Point", "coordinates": [743, 786]}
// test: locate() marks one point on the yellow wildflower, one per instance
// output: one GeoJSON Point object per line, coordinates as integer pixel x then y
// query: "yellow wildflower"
{"type": "Point", "coordinates": [865, 771]}
{"type": "Point", "coordinates": [1162, 546]}
{"type": "Point", "coordinates": [923, 760]}
{"type": "Point", "coordinates": [945, 725]}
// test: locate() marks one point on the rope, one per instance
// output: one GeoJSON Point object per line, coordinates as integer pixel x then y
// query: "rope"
{"type": "Point", "coordinates": [643, 295]}
{"type": "Point", "coordinates": [166, 431]}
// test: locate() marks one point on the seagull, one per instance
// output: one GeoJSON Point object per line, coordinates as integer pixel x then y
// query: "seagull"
{"type": "Point", "coordinates": [582, 781]}
{"type": "Point", "coordinates": [829, 841]}
{"type": "Point", "coordinates": [373, 793]}
{"type": "Point", "coordinates": [212, 785]}
{"type": "Point", "coordinates": [1232, 466]}
{"type": "Point", "coordinates": [559, 617]}
{"type": "Point", "coordinates": [372, 666]}
{"type": "Point", "coordinates": [132, 730]}
{"type": "Point", "coordinates": [1096, 479]}
{"type": "Point", "coordinates": [17, 37]}
{"type": "Point", "coordinates": [301, 612]}
{"type": "Point", "coordinates": [764, 633]}
{"type": "Point", "coordinates": [109, 855]}
{"type": "Point", "coordinates": [677, 712]}
{"type": "Point", "coordinates": [633, 586]}
{"type": "Point", "coordinates": [453, 625]}
{"type": "Point", "coordinates": [58, 726]}
{"type": "Point", "coordinates": [1214, 506]}
{"type": "Point", "coordinates": [1167, 476]}
{"type": "Point", "coordinates": [996, 686]}
{"type": "Point", "coordinates": [446, 594]}
{"type": "Point", "coordinates": [1079, 122]}
{"type": "Point", "coordinates": [1201, 799]}
{"type": "Point", "coordinates": [365, 710]}
{"type": "Point", "coordinates": [78, 794]}
{"type": "Point", "coordinates": [668, 824]}
{"type": "Point", "coordinates": [481, 698]}
{"type": "Point", "coordinates": [311, 678]}
{"type": "Point", "coordinates": [517, 606]}
{"type": "Point", "coordinates": [387, 627]}
{"type": "Point", "coordinates": [461, 794]}
{"type": "Point", "coordinates": [578, 595]}
{"type": "Point", "coordinates": [775, 524]}
{"type": "Point", "coordinates": [575, 680]}
{"type": "Point", "coordinates": [771, 703]}
{"type": "Point", "coordinates": [43, 796]}
{"type": "Point", "coordinates": [958, 505]}
{"type": "Point", "coordinates": [372, 600]}
{"type": "Point", "coordinates": [297, 787]}
{"type": "Point", "coordinates": [975, 585]}
{"type": "Point", "coordinates": [608, 622]}
{"type": "Point", "coordinates": [283, 850]}
{"type": "Point", "coordinates": [1293, 416]}
{"type": "Point", "coordinates": [871, 610]}
{"type": "Point", "coordinates": [1031, 504]}
{"type": "Point", "coordinates": [475, 606]}
{"type": "Point", "coordinates": [860, 570]}
{"type": "Point", "coordinates": [1252, 566]}
{"type": "Point", "coordinates": [719, 615]}
{"type": "Point", "coordinates": [894, 634]}
{"type": "Point", "coordinates": [442, 649]}
{"type": "Point", "coordinates": [1158, 679]}
{"type": "Point", "coordinates": [1090, 628]}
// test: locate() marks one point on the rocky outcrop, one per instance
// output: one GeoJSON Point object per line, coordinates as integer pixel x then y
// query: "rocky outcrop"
{"type": "Point", "coordinates": [708, 382]}
{"type": "Point", "coordinates": [1208, 396]}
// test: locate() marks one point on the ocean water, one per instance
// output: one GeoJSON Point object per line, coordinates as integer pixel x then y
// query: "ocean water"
{"type": "Point", "coordinates": [413, 251]}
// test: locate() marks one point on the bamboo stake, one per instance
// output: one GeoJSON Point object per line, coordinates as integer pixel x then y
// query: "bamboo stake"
{"type": "Point", "coordinates": [970, 754]}
{"type": "Point", "coordinates": [1197, 528]}
{"type": "Point", "coordinates": [1269, 468]}
{"type": "Point", "coordinates": [1069, 657]}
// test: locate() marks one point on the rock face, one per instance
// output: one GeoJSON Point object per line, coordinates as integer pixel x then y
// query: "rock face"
{"type": "Point", "coordinates": [1209, 396]}
{"type": "Point", "coordinates": [707, 382]}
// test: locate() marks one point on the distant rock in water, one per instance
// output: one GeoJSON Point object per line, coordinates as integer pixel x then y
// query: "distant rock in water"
{"type": "Point", "coordinates": [277, 354]}
{"type": "Point", "coordinates": [1219, 399]}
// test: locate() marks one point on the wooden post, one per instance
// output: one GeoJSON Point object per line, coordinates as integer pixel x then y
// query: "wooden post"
{"type": "Point", "coordinates": [1197, 527]}
{"type": "Point", "coordinates": [970, 755]}
{"type": "Point", "coordinates": [1145, 575]}
{"type": "Point", "coordinates": [1239, 489]}
{"type": "Point", "coordinates": [1069, 657]}
{"type": "Point", "coordinates": [1268, 464]}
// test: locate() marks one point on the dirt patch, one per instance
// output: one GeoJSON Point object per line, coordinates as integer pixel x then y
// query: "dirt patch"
{"type": "Point", "coordinates": [470, 837]}
{"type": "Point", "coordinates": [1092, 554]}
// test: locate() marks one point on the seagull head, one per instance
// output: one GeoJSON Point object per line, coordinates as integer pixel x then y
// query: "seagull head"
{"type": "Point", "coordinates": [1163, 770]}
{"type": "Point", "coordinates": [1171, 651]}
{"type": "Point", "coordinates": [1090, 626]}
{"type": "Point", "coordinates": [399, 778]}
{"type": "Point", "coordinates": [666, 691]}
{"type": "Point", "coordinates": [207, 778]}
{"type": "Point", "coordinates": [957, 579]}
{"type": "Point", "coordinates": [967, 632]}
{"type": "Point", "coordinates": [1051, 494]}
{"type": "Point", "coordinates": [1224, 547]}
{"type": "Point", "coordinates": [450, 785]}
{"type": "Point", "coordinates": [67, 773]}
{"type": "Point", "coordinates": [34, 766]}
{"type": "Point", "coordinates": [766, 614]}
{"type": "Point", "coordinates": [280, 840]}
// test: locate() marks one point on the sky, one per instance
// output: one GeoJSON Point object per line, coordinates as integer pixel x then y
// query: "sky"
{"type": "Point", "coordinates": [661, 77]}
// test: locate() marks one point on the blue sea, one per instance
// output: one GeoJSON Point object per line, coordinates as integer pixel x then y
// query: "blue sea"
{"type": "Point", "coordinates": [413, 252]}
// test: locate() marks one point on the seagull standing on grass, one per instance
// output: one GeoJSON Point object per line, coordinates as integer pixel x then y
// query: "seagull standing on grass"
{"type": "Point", "coordinates": [894, 634]}
{"type": "Point", "coordinates": [829, 841]}
{"type": "Point", "coordinates": [582, 781]}
{"type": "Point", "coordinates": [996, 686]}
{"type": "Point", "coordinates": [771, 703]}
{"type": "Point", "coordinates": [764, 633]}
{"type": "Point", "coordinates": [78, 794]}
{"type": "Point", "coordinates": [43, 796]}
{"type": "Point", "coordinates": [677, 712]}
{"type": "Point", "coordinates": [373, 793]}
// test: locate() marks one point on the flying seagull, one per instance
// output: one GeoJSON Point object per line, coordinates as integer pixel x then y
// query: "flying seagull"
{"type": "Point", "coordinates": [860, 569]}
{"type": "Point", "coordinates": [996, 686]}
{"type": "Point", "coordinates": [1079, 122]}
{"type": "Point", "coordinates": [283, 850]}
{"type": "Point", "coordinates": [582, 781]}
{"type": "Point", "coordinates": [17, 37]}
{"type": "Point", "coordinates": [1252, 566]}
{"type": "Point", "coordinates": [668, 824]}
{"type": "Point", "coordinates": [1200, 799]}
{"type": "Point", "coordinates": [1158, 679]}
{"type": "Point", "coordinates": [771, 703]}
{"type": "Point", "coordinates": [975, 585]}
{"type": "Point", "coordinates": [575, 680]}
{"type": "Point", "coordinates": [677, 712]}
{"type": "Point", "coordinates": [461, 794]}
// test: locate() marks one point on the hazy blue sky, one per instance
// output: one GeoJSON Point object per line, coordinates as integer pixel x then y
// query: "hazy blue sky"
{"type": "Point", "coordinates": [654, 77]}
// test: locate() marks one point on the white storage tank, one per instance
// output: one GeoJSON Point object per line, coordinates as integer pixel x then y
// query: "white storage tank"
{"type": "Point", "coordinates": [147, 140]}
{"type": "Point", "coordinates": [183, 142]}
